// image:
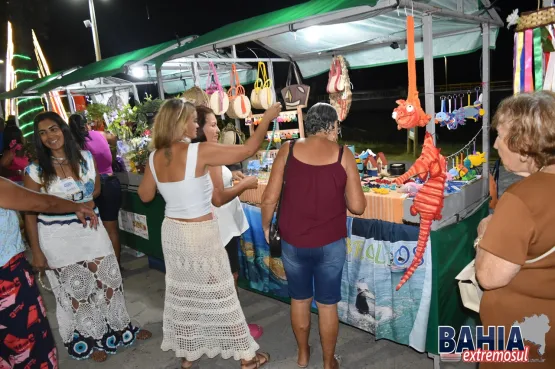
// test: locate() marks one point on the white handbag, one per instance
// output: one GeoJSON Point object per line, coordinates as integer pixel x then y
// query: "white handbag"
{"type": "Point", "coordinates": [471, 292]}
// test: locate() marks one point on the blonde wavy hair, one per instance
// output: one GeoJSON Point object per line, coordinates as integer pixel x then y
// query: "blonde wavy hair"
{"type": "Point", "coordinates": [170, 123]}
{"type": "Point", "coordinates": [530, 120]}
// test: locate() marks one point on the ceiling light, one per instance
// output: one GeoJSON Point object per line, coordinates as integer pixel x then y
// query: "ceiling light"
{"type": "Point", "coordinates": [137, 72]}
{"type": "Point", "coordinates": [312, 34]}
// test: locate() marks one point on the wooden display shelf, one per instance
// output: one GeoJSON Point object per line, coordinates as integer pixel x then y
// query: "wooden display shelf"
{"type": "Point", "coordinates": [299, 113]}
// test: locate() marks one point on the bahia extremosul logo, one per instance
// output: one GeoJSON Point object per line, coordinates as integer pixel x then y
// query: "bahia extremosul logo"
{"type": "Point", "coordinates": [524, 342]}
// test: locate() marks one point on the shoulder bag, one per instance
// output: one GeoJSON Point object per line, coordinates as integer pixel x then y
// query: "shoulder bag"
{"type": "Point", "coordinates": [471, 292]}
{"type": "Point", "coordinates": [275, 237]}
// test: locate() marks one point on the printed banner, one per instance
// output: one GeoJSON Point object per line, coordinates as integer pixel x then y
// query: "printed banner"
{"type": "Point", "coordinates": [378, 253]}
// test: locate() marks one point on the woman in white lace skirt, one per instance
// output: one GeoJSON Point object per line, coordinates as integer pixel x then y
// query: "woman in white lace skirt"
{"type": "Point", "coordinates": [202, 314]}
{"type": "Point", "coordinates": [80, 263]}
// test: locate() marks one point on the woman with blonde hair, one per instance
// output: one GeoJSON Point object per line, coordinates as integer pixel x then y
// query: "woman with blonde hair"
{"type": "Point", "coordinates": [202, 314]}
{"type": "Point", "coordinates": [514, 263]}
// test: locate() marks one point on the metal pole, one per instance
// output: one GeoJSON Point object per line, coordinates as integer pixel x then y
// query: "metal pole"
{"type": "Point", "coordinates": [160, 83]}
{"type": "Point", "coordinates": [485, 105]}
{"type": "Point", "coordinates": [94, 31]}
{"type": "Point", "coordinates": [196, 75]}
{"type": "Point", "coordinates": [70, 101]}
{"type": "Point", "coordinates": [234, 56]}
{"type": "Point", "coordinates": [429, 72]}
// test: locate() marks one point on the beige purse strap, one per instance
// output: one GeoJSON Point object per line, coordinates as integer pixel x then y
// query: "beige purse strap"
{"type": "Point", "coordinates": [543, 256]}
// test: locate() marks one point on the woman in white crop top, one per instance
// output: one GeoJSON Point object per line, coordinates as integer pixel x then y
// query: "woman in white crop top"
{"type": "Point", "coordinates": [81, 266]}
{"type": "Point", "coordinates": [202, 314]}
{"type": "Point", "coordinates": [228, 210]}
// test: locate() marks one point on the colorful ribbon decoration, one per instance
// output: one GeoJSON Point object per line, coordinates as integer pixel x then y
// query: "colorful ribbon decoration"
{"type": "Point", "coordinates": [528, 52]}
{"type": "Point", "coordinates": [519, 45]}
{"type": "Point", "coordinates": [538, 59]}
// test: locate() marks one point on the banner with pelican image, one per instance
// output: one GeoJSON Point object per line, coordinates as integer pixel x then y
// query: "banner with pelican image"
{"type": "Point", "coordinates": [378, 254]}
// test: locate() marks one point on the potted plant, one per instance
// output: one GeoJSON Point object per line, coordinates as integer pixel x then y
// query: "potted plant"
{"type": "Point", "coordinates": [147, 110]}
{"type": "Point", "coordinates": [95, 113]}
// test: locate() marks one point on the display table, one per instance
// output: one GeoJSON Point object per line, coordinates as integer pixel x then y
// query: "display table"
{"type": "Point", "coordinates": [378, 253]}
{"type": "Point", "coordinates": [383, 207]}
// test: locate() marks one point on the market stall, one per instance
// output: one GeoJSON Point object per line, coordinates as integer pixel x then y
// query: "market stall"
{"type": "Point", "coordinates": [333, 36]}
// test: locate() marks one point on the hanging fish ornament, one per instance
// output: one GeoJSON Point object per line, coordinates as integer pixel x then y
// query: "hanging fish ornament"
{"type": "Point", "coordinates": [409, 113]}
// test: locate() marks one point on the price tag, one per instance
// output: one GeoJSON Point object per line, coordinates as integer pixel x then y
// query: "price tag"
{"type": "Point", "coordinates": [69, 186]}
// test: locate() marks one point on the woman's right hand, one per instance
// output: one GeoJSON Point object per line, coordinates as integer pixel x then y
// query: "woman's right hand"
{"type": "Point", "coordinates": [250, 182]}
{"type": "Point", "coordinates": [83, 212]}
{"type": "Point", "coordinates": [272, 112]}
{"type": "Point", "coordinates": [39, 261]}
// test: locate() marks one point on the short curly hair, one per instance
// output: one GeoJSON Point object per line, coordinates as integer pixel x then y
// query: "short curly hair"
{"type": "Point", "coordinates": [320, 118]}
{"type": "Point", "coordinates": [530, 120]}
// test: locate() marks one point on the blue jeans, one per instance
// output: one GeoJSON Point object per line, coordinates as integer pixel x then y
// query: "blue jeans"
{"type": "Point", "coordinates": [315, 272]}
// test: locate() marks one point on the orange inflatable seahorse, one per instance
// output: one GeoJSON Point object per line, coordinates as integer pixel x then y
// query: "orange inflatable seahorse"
{"type": "Point", "coordinates": [428, 202]}
{"type": "Point", "coordinates": [409, 113]}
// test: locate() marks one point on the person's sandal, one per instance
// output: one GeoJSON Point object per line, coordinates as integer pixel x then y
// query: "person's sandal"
{"type": "Point", "coordinates": [143, 335]}
{"type": "Point", "coordinates": [188, 366]}
{"type": "Point", "coordinates": [338, 359]}
{"type": "Point", "coordinates": [256, 361]}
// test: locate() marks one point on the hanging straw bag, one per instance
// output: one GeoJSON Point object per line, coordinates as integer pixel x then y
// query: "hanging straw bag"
{"type": "Point", "coordinates": [258, 84]}
{"type": "Point", "coordinates": [218, 100]}
{"type": "Point", "coordinates": [471, 292]}
{"type": "Point", "coordinates": [267, 93]}
{"type": "Point", "coordinates": [239, 104]}
{"type": "Point", "coordinates": [196, 96]}
{"type": "Point", "coordinates": [336, 79]}
{"type": "Point", "coordinates": [297, 94]}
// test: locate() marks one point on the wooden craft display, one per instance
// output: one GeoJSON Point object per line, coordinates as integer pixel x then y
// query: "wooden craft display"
{"type": "Point", "coordinates": [298, 114]}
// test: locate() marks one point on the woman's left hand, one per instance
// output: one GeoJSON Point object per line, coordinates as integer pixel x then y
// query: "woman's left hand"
{"type": "Point", "coordinates": [483, 225]}
{"type": "Point", "coordinates": [267, 235]}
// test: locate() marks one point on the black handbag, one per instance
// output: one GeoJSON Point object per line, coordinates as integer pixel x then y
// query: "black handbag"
{"type": "Point", "coordinates": [274, 235]}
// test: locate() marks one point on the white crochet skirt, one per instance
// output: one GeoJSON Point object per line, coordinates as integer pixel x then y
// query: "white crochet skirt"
{"type": "Point", "coordinates": [86, 280]}
{"type": "Point", "coordinates": [202, 314]}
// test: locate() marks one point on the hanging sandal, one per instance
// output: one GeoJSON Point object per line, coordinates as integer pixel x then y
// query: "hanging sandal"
{"type": "Point", "coordinates": [308, 361]}
{"type": "Point", "coordinates": [256, 361]}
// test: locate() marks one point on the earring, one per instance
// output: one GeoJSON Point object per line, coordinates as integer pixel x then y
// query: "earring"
{"type": "Point", "coordinates": [523, 159]}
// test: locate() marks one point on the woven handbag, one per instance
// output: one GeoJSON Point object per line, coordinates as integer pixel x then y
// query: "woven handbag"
{"type": "Point", "coordinates": [539, 18]}
{"type": "Point", "coordinates": [218, 100]}
{"type": "Point", "coordinates": [239, 104]}
{"type": "Point", "coordinates": [196, 96]}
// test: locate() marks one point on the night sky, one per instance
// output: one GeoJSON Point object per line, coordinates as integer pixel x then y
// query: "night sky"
{"type": "Point", "coordinates": [126, 25]}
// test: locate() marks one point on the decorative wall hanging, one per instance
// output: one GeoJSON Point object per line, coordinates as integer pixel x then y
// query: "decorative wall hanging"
{"type": "Point", "coordinates": [239, 104]}
{"type": "Point", "coordinates": [297, 94]}
{"type": "Point", "coordinates": [219, 102]}
{"type": "Point", "coordinates": [533, 48]}
{"type": "Point", "coordinates": [337, 80]}
{"type": "Point", "coordinates": [428, 202]}
{"type": "Point", "coordinates": [409, 113]}
{"type": "Point", "coordinates": [342, 100]}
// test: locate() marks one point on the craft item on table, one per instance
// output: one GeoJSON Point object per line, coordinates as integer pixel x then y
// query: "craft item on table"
{"type": "Point", "coordinates": [376, 165]}
{"type": "Point", "coordinates": [409, 113]}
{"type": "Point", "coordinates": [411, 188]}
{"type": "Point", "coordinates": [297, 94]}
{"type": "Point", "coordinates": [219, 101]}
{"type": "Point", "coordinates": [342, 99]}
{"type": "Point", "coordinates": [258, 83]}
{"type": "Point", "coordinates": [442, 117]}
{"type": "Point", "coordinates": [428, 202]}
{"type": "Point", "coordinates": [381, 191]}
{"type": "Point", "coordinates": [365, 189]}
{"type": "Point", "coordinates": [397, 169]}
{"type": "Point", "coordinates": [239, 104]}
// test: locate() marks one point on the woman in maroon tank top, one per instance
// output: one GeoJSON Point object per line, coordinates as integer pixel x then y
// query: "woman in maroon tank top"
{"type": "Point", "coordinates": [322, 183]}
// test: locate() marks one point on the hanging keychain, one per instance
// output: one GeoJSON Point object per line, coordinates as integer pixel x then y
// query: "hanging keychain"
{"type": "Point", "coordinates": [442, 116]}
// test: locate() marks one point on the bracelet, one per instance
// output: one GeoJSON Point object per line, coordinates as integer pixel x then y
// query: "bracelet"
{"type": "Point", "coordinates": [477, 241]}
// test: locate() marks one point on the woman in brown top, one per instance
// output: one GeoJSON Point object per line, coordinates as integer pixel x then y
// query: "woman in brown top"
{"type": "Point", "coordinates": [522, 228]}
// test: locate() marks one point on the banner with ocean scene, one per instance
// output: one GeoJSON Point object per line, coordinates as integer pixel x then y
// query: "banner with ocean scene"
{"type": "Point", "coordinates": [378, 254]}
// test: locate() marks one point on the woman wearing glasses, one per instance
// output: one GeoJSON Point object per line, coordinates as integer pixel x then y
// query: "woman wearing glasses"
{"type": "Point", "coordinates": [80, 263]}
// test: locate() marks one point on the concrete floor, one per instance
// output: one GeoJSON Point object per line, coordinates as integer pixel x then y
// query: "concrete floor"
{"type": "Point", "coordinates": [144, 291]}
